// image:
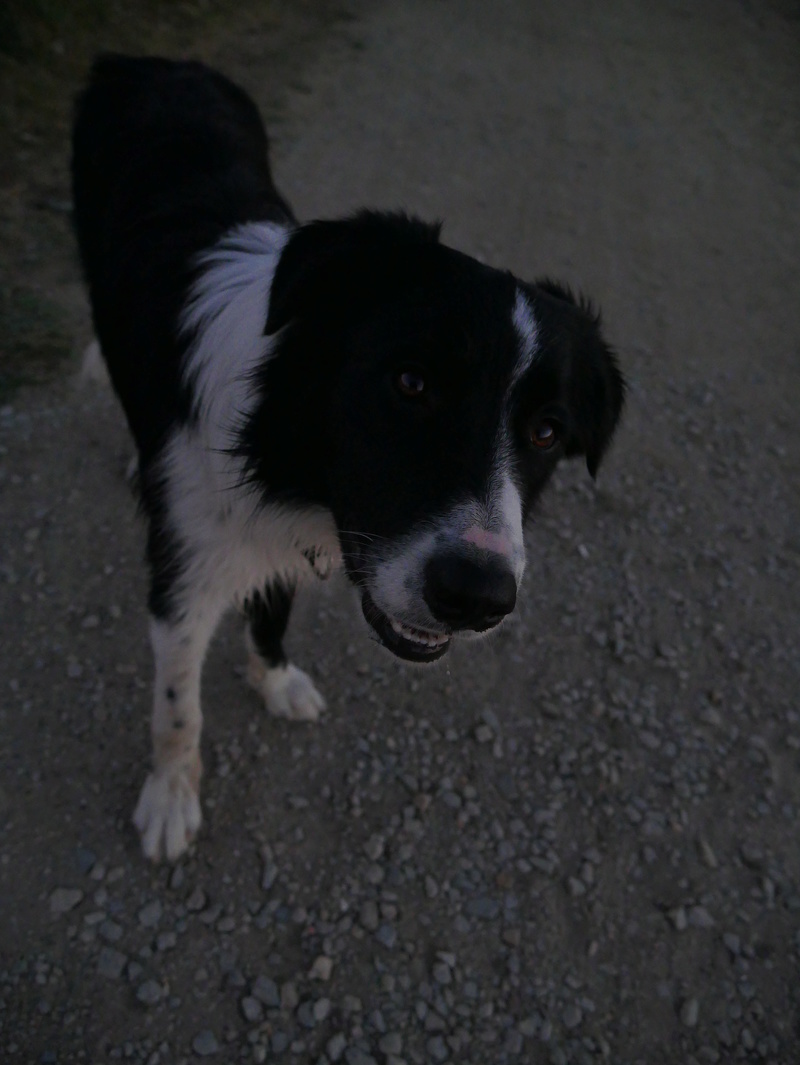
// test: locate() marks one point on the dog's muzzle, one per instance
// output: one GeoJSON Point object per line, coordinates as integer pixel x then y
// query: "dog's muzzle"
{"type": "Point", "coordinates": [461, 593]}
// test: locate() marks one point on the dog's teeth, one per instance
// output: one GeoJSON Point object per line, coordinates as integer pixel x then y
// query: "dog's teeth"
{"type": "Point", "coordinates": [427, 639]}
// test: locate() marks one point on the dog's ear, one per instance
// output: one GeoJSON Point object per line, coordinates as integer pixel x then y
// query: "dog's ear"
{"type": "Point", "coordinates": [326, 266]}
{"type": "Point", "coordinates": [590, 382]}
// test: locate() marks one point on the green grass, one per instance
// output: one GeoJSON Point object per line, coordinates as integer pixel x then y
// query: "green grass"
{"type": "Point", "coordinates": [33, 342]}
{"type": "Point", "coordinates": [46, 48]}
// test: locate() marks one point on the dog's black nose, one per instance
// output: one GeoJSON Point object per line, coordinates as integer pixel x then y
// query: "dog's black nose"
{"type": "Point", "coordinates": [466, 594]}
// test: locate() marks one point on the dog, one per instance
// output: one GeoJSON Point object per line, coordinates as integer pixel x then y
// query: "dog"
{"type": "Point", "coordinates": [305, 396]}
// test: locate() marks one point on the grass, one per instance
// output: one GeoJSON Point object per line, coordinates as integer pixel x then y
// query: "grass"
{"type": "Point", "coordinates": [46, 47]}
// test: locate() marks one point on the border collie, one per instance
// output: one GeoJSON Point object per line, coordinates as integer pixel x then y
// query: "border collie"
{"type": "Point", "coordinates": [307, 395]}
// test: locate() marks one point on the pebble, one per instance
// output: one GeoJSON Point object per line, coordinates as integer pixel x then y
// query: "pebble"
{"type": "Point", "coordinates": [150, 915]}
{"type": "Point", "coordinates": [699, 917]}
{"type": "Point", "coordinates": [391, 1043]}
{"type": "Point", "coordinates": [572, 1016]}
{"type": "Point", "coordinates": [62, 900]}
{"type": "Point", "coordinates": [111, 963]}
{"type": "Point", "coordinates": [357, 1056]}
{"type": "Point", "coordinates": [368, 915]}
{"type": "Point", "coordinates": [321, 968]}
{"type": "Point", "coordinates": [205, 1043]}
{"type": "Point", "coordinates": [150, 992]}
{"type": "Point", "coordinates": [335, 1047]}
{"type": "Point", "coordinates": [251, 1008]}
{"type": "Point", "coordinates": [437, 1049]}
{"type": "Point", "coordinates": [387, 936]}
{"type": "Point", "coordinates": [197, 900]}
{"type": "Point", "coordinates": [690, 1011]}
{"type": "Point", "coordinates": [266, 991]}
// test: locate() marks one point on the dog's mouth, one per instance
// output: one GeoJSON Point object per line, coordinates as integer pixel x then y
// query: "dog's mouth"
{"type": "Point", "coordinates": [405, 641]}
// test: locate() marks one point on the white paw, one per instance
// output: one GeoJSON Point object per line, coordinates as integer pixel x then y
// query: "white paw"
{"type": "Point", "coordinates": [286, 690]}
{"type": "Point", "coordinates": [168, 813]}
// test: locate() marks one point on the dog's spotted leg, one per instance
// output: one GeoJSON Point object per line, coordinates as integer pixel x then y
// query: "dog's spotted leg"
{"type": "Point", "coordinates": [168, 812]}
{"type": "Point", "coordinates": [286, 690]}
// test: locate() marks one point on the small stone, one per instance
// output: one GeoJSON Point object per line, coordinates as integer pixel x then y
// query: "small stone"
{"type": "Point", "coordinates": [322, 1007]}
{"type": "Point", "coordinates": [374, 847]}
{"type": "Point", "coordinates": [150, 915]}
{"type": "Point", "coordinates": [305, 1014]}
{"type": "Point", "coordinates": [699, 917]}
{"type": "Point", "coordinates": [149, 993]}
{"type": "Point", "coordinates": [63, 900]}
{"type": "Point", "coordinates": [572, 1017]}
{"type": "Point", "coordinates": [707, 854]}
{"type": "Point", "coordinates": [529, 1026]}
{"type": "Point", "coordinates": [442, 974]}
{"type": "Point", "coordinates": [484, 908]}
{"type": "Point", "coordinates": [251, 1008]}
{"type": "Point", "coordinates": [111, 963]}
{"type": "Point", "coordinates": [752, 856]}
{"type": "Point", "coordinates": [279, 1042]}
{"type": "Point", "coordinates": [391, 1043]}
{"type": "Point", "coordinates": [512, 937]}
{"type": "Point", "coordinates": [431, 887]}
{"type": "Point", "coordinates": [387, 936]}
{"type": "Point", "coordinates": [321, 968]}
{"type": "Point", "coordinates": [678, 918]}
{"type": "Point", "coordinates": [197, 901]}
{"type": "Point", "coordinates": [166, 940]}
{"type": "Point", "coordinates": [111, 932]}
{"type": "Point", "coordinates": [368, 915]}
{"type": "Point", "coordinates": [575, 887]}
{"type": "Point", "coordinates": [437, 1049]}
{"type": "Point", "coordinates": [269, 868]}
{"type": "Point", "coordinates": [690, 1011]}
{"type": "Point", "coordinates": [335, 1047]}
{"type": "Point", "coordinates": [357, 1056]}
{"type": "Point", "coordinates": [733, 943]}
{"type": "Point", "coordinates": [205, 1043]}
{"type": "Point", "coordinates": [266, 991]}
{"type": "Point", "coordinates": [289, 996]}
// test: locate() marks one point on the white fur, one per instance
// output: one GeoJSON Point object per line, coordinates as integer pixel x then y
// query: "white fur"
{"type": "Point", "coordinates": [227, 308]}
{"type": "Point", "coordinates": [286, 690]}
{"type": "Point", "coordinates": [525, 324]}
{"type": "Point", "coordinates": [232, 544]}
{"type": "Point", "coordinates": [168, 812]}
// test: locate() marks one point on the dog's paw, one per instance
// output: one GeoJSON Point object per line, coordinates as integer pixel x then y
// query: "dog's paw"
{"type": "Point", "coordinates": [168, 813]}
{"type": "Point", "coordinates": [286, 690]}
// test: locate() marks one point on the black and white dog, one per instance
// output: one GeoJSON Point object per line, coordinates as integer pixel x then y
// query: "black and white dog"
{"type": "Point", "coordinates": [305, 395]}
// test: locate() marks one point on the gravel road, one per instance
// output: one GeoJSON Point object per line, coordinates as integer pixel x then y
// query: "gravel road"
{"type": "Point", "coordinates": [576, 842]}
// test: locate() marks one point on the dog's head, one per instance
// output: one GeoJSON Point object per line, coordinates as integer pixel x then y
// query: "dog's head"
{"type": "Point", "coordinates": [439, 395]}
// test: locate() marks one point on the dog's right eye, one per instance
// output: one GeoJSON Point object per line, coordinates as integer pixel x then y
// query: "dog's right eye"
{"type": "Point", "coordinates": [410, 383]}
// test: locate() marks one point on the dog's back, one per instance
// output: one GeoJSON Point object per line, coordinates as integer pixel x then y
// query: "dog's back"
{"type": "Point", "coordinates": [167, 156]}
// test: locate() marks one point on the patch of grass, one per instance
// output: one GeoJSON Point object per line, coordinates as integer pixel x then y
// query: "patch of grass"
{"type": "Point", "coordinates": [33, 339]}
{"type": "Point", "coordinates": [46, 48]}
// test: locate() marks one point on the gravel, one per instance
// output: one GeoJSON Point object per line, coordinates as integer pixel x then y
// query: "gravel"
{"type": "Point", "coordinates": [574, 842]}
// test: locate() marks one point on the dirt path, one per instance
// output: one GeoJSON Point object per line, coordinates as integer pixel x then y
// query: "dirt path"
{"type": "Point", "coordinates": [580, 841]}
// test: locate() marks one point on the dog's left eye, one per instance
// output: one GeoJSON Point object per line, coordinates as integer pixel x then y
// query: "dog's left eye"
{"type": "Point", "coordinates": [410, 383]}
{"type": "Point", "coordinates": [543, 435]}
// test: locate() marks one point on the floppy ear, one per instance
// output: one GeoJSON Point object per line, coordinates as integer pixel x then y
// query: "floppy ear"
{"type": "Point", "coordinates": [591, 384]}
{"type": "Point", "coordinates": [325, 265]}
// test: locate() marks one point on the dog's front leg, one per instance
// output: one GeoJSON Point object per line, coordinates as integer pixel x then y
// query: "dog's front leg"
{"type": "Point", "coordinates": [168, 812]}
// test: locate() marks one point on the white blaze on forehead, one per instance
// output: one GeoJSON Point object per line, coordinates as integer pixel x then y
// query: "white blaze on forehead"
{"type": "Point", "coordinates": [525, 325]}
